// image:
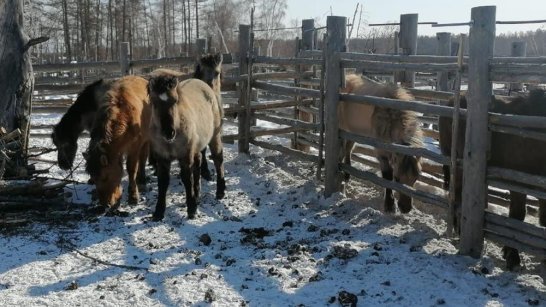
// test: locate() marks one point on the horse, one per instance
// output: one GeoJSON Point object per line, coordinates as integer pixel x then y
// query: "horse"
{"type": "Point", "coordinates": [506, 151]}
{"type": "Point", "coordinates": [79, 117]}
{"type": "Point", "coordinates": [389, 125]}
{"type": "Point", "coordinates": [186, 117]}
{"type": "Point", "coordinates": [121, 129]}
{"type": "Point", "coordinates": [208, 68]}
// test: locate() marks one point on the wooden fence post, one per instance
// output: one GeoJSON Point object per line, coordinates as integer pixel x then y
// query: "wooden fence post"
{"type": "Point", "coordinates": [519, 49]}
{"type": "Point", "coordinates": [336, 28]}
{"type": "Point", "coordinates": [444, 49]}
{"type": "Point", "coordinates": [124, 58]}
{"type": "Point", "coordinates": [408, 43]}
{"type": "Point", "coordinates": [244, 101]}
{"type": "Point", "coordinates": [481, 46]}
{"type": "Point", "coordinates": [306, 43]}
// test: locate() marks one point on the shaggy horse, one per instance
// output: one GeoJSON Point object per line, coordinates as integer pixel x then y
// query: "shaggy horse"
{"type": "Point", "coordinates": [121, 129]}
{"type": "Point", "coordinates": [186, 118]}
{"type": "Point", "coordinates": [79, 117]}
{"type": "Point", "coordinates": [389, 125]}
{"type": "Point", "coordinates": [208, 69]}
{"type": "Point", "coordinates": [506, 151]}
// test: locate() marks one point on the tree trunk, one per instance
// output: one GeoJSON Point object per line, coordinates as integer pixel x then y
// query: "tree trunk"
{"type": "Point", "coordinates": [66, 31]}
{"type": "Point", "coordinates": [16, 79]}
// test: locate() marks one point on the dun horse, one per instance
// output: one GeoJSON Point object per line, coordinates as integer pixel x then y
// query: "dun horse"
{"type": "Point", "coordinates": [186, 118]}
{"type": "Point", "coordinates": [79, 117]}
{"type": "Point", "coordinates": [121, 128]}
{"type": "Point", "coordinates": [389, 125]}
{"type": "Point", "coordinates": [506, 151]}
{"type": "Point", "coordinates": [208, 69]}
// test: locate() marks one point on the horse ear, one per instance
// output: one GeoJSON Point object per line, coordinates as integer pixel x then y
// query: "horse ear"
{"type": "Point", "coordinates": [150, 86]}
{"type": "Point", "coordinates": [218, 58]}
{"type": "Point", "coordinates": [103, 160]}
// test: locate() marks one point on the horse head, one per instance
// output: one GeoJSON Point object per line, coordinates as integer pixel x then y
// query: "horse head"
{"type": "Point", "coordinates": [209, 69]}
{"type": "Point", "coordinates": [105, 172]}
{"type": "Point", "coordinates": [164, 97]}
{"type": "Point", "coordinates": [66, 147]}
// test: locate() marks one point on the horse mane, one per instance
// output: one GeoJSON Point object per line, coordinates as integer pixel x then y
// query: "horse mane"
{"type": "Point", "coordinates": [110, 122]}
{"type": "Point", "coordinates": [70, 124]}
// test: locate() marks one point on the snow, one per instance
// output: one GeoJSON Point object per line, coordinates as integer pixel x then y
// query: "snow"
{"type": "Point", "coordinates": [312, 248]}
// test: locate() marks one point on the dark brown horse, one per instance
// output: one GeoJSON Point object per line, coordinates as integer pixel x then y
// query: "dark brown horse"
{"type": "Point", "coordinates": [389, 125]}
{"type": "Point", "coordinates": [209, 69]}
{"type": "Point", "coordinates": [121, 129]}
{"type": "Point", "coordinates": [186, 118]}
{"type": "Point", "coordinates": [79, 117]}
{"type": "Point", "coordinates": [506, 151]}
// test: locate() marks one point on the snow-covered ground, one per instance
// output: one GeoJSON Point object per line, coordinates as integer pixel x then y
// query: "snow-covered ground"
{"type": "Point", "coordinates": [274, 241]}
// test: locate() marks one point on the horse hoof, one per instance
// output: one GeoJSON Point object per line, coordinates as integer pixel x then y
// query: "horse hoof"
{"type": "Point", "coordinates": [512, 257]}
{"type": "Point", "coordinates": [206, 175]}
{"type": "Point", "coordinates": [133, 200]}
{"type": "Point", "coordinates": [404, 209]}
{"type": "Point", "coordinates": [220, 195]}
{"type": "Point", "coordinates": [117, 212]}
{"type": "Point", "coordinates": [97, 210]}
{"type": "Point", "coordinates": [156, 217]}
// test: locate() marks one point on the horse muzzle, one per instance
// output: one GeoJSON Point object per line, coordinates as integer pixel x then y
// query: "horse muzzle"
{"type": "Point", "coordinates": [170, 136]}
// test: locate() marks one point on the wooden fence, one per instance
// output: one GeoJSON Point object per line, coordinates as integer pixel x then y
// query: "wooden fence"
{"type": "Point", "coordinates": [481, 69]}
{"type": "Point", "coordinates": [309, 84]}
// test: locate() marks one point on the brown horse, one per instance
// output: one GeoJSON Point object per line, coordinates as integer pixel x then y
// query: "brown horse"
{"type": "Point", "coordinates": [389, 125]}
{"type": "Point", "coordinates": [506, 151]}
{"type": "Point", "coordinates": [79, 117]}
{"type": "Point", "coordinates": [121, 129]}
{"type": "Point", "coordinates": [186, 118]}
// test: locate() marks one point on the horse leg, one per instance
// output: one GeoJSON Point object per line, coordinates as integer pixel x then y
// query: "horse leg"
{"type": "Point", "coordinates": [132, 171]}
{"type": "Point", "coordinates": [187, 176]}
{"type": "Point", "coordinates": [141, 176]}
{"type": "Point", "coordinates": [348, 147]}
{"type": "Point", "coordinates": [517, 211]}
{"type": "Point", "coordinates": [163, 168]}
{"type": "Point", "coordinates": [205, 172]}
{"type": "Point", "coordinates": [387, 173]}
{"type": "Point", "coordinates": [217, 152]}
{"type": "Point", "coordinates": [197, 171]}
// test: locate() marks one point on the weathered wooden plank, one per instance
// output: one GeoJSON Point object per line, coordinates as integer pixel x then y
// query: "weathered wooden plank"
{"type": "Point", "coordinates": [402, 188]}
{"type": "Point", "coordinates": [287, 61]}
{"type": "Point", "coordinates": [417, 106]}
{"type": "Point", "coordinates": [474, 198]}
{"type": "Point", "coordinates": [287, 90]}
{"type": "Point", "coordinates": [402, 149]}
{"type": "Point", "coordinates": [390, 67]}
{"type": "Point", "coordinates": [519, 226]}
{"type": "Point", "coordinates": [526, 133]}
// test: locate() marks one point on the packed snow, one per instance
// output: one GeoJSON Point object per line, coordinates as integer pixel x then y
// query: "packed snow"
{"type": "Point", "coordinates": [274, 240]}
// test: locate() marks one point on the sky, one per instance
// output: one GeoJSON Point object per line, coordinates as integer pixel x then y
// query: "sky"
{"type": "Point", "coordinates": [429, 10]}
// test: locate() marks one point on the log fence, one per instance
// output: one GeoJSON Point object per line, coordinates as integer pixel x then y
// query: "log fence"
{"type": "Point", "coordinates": [313, 87]}
{"type": "Point", "coordinates": [481, 69]}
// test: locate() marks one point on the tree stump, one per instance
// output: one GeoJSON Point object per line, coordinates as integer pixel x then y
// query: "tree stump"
{"type": "Point", "coordinates": [16, 76]}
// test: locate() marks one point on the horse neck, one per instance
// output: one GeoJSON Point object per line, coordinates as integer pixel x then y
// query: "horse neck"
{"type": "Point", "coordinates": [77, 118]}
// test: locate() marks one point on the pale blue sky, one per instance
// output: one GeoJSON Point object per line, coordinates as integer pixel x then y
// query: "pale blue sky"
{"type": "Point", "coordinates": [429, 10]}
